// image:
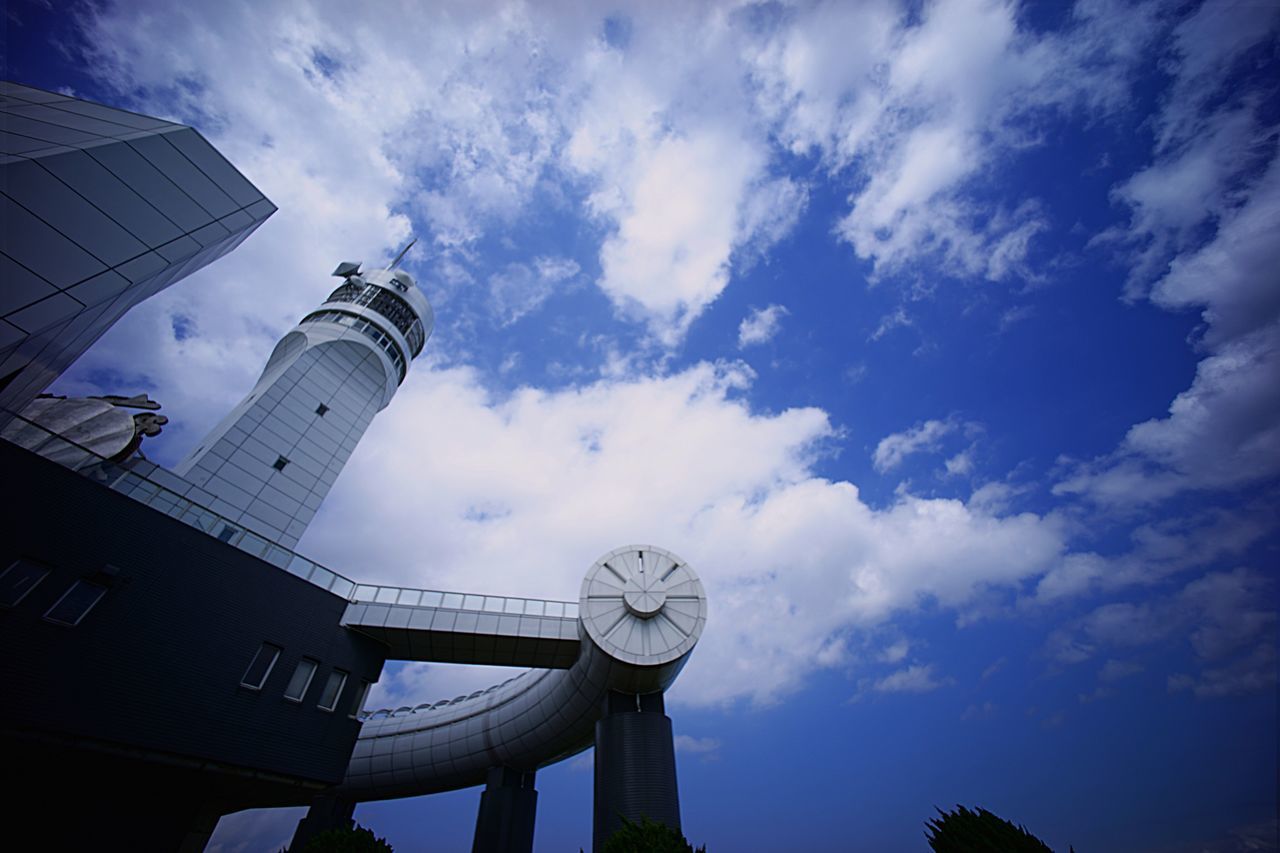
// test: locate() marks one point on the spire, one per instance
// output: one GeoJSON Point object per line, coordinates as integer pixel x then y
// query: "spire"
{"type": "Point", "coordinates": [400, 256]}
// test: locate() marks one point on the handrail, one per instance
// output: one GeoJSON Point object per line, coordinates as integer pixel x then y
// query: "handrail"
{"type": "Point", "coordinates": [158, 488]}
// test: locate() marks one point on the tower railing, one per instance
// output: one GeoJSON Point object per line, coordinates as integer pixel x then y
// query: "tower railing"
{"type": "Point", "coordinates": [166, 492]}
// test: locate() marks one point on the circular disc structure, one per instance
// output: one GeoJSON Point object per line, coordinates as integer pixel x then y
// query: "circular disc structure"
{"type": "Point", "coordinates": [643, 605]}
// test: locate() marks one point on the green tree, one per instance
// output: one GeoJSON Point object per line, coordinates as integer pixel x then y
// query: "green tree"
{"type": "Point", "coordinates": [357, 839]}
{"type": "Point", "coordinates": [963, 831]}
{"type": "Point", "coordinates": [648, 837]}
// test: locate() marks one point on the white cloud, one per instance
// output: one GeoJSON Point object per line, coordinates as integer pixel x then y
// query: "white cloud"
{"type": "Point", "coordinates": [1226, 617]}
{"type": "Point", "coordinates": [916, 678]}
{"type": "Point", "coordinates": [1118, 670]}
{"type": "Point", "coordinates": [674, 203]}
{"type": "Point", "coordinates": [924, 437]}
{"type": "Point", "coordinates": [960, 464]}
{"type": "Point", "coordinates": [496, 107]}
{"type": "Point", "coordinates": [1215, 171]}
{"type": "Point", "coordinates": [978, 712]}
{"type": "Point", "coordinates": [707, 747]}
{"type": "Point", "coordinates": [896, 652]}
{"type": "Point", "coordinates": [1206, 45]}
{"type": "Point", "coordinates": [679, 166]}
{"type": "Point", "coordinates": [519, 494]}
{"type": "Point", "coordinates": [1170, 198]}
{"type": "Point", "coordinates": [1014, 316]}
{"type": "Point", "coordinates": [489, 108]}
{"type": "Point", "coordinates": [1159, 550]}
{"type": "Point", "coordinates": [412, 683]}
{"type": "Point", "coordinates": [760, 326]}
{"type": "Point", "coordinates": [896, 319]}
{"type": "Point", "coordinates": [1223, 431]}
{"type": "Point", "coordinates": [519, 289]}
{"type": "Point", "coordinates": [1252, 673]}
{"type": "Point", "coordinates": [925, 107]}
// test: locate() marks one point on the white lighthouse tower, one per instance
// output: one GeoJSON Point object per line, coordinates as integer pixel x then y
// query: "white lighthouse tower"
{"type": "Point", "coordinates": [272, 460]}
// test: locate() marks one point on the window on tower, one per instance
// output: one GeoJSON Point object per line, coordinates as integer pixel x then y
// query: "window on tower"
{"type": "Point", "coordinates": [389, 305]}
{"type": "Point", "coordinates": [368, 329]}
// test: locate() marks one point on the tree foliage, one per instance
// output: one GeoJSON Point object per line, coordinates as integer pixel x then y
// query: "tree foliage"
{"type": "Point", "coordinates": [648, 837]}
{"type": "Point", "coordinates": [356, 839]}
{"type": "Point", "coordinates": [963, 831]}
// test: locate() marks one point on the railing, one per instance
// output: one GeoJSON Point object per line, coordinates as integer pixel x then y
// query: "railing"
{"type": "Point", "coordinates": [464, 601]}
{"type": "Point", "coordinates": [166, 492]}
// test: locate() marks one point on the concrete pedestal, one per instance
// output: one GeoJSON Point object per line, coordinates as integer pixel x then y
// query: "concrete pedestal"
{"type": "Point", "coordinates": [508, 807]}
{"type": "Point", "coordinates": [326, 812]}
{"type": "Point", "coordinates": [635, 765]}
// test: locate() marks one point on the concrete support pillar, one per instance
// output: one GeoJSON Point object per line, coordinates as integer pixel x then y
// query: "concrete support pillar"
{"type": "Point", "coordinates": [327, 812]}
{"type": "Point", "coordinates": [504, 823]}
{"type": "Point", "coordinates": [635, 765]}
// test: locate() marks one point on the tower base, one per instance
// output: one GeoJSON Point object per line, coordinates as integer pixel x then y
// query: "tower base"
{"type": "Point", "coordinates": [327, 812]}
{"type": "Point", "coordinates": [508, 806]}
{"type": "Point", "coordinates": [635, 765]}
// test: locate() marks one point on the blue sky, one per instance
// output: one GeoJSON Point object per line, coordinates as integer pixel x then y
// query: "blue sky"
{"type": "Point", "coordinates": [942, 339]}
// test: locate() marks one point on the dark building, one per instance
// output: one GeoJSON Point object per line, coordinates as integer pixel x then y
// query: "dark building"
{"type": "Point", "coordinates": [151, 668]}
{"type": "Point", "coordinates": [154, 670]}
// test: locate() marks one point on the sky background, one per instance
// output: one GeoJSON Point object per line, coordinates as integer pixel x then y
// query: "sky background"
{"type": "Point", "coordinates": [942, 339]}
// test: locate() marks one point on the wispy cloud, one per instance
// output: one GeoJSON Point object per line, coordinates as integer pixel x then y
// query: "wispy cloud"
{"type": "Point", "coordinates": [927, 436]}
{"type": "Point", "coordinates": [706, 747]}
{"type": "Point", "coordinates": [760, 326]}
{"type": "Point", "coordinates": [917, 678]}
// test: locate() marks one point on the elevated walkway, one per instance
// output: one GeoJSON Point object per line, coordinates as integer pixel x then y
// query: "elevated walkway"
{"type": "Point", "coordinates": [500, 631]}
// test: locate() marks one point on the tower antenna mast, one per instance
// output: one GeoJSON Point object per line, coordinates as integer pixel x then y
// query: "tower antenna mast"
{"type": "Point", "coordinates": [400, 256]}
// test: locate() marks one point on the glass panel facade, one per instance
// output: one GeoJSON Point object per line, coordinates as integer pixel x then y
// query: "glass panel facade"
{"type": "Point", "coordinates": [96, 200]}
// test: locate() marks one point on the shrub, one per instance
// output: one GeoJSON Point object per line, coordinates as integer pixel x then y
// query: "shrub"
{"type": "Point", "coordinates": [648, 837]}
{"type": "Point", "coordinates": [354, 840]}
{"type": "Point", "coordinates": [963, 831]}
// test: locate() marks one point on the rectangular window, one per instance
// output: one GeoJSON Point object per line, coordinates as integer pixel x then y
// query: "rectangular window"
{"type": "Point", "coordinates": [256, 675]}
{"type": "Point", "coordinates": [227, 531]}
{"type": "Point", "coordinates": [280, 463]}
{"type": "Point", "coordinates": [332, 690]}
{"type": "Point", "coordinates": [20, 578]}
{"type": "Point", "coordinates": [361, 695]}
{"type": "Point", "coordinates": [301, 680]}
{"type": "Point", "coordinates": [76, 603]}
{"type": "Point", "coordinates": [321, 409]}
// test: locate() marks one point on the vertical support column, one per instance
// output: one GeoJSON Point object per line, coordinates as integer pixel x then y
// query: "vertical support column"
{"type": "Point", "coordinates": [327, 812]}
{"type": "Point", "coordinates": [508, 806]}
{"type": "Point", "coordinates": [635, 765]}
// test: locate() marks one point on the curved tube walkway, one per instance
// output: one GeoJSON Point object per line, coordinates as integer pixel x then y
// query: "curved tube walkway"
{"type": "Point", "coordinates": [642, 610]}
